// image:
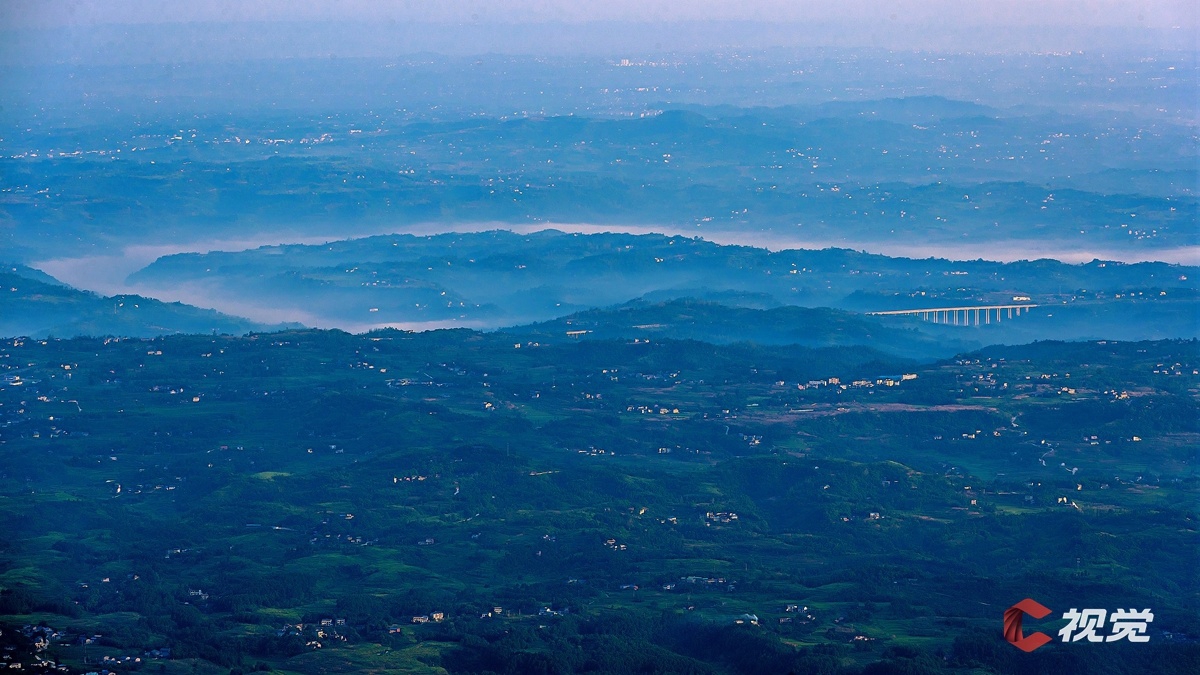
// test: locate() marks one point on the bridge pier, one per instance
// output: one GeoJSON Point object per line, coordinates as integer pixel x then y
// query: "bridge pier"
{"type": "Point", "coordinates": [970, 316]}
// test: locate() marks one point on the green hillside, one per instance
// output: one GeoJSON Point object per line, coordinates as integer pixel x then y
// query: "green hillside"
{"type": "Point", "coordinates": [36, 308]}
{"type": "Point", "coordinates": [453, 501]}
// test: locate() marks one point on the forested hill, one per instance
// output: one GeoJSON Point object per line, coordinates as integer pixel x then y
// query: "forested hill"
{"type": "Point", "coordinates": [503, 278]}
{"type": "Point", "coordinates": [35, 305]}
{"type": "Point", "coordinates": [722, 324]}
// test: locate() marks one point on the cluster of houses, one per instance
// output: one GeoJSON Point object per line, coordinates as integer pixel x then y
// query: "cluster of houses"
{"type": "Point", "coordinates": [894, 380]}
{"type": "Point", "coordinates": [877, 381]}
{"type": "Point", "coordinates": [723, 517]}
{"type": "Point", "coordinates": [797, 610]}
{"type": "Point", "coordinates": [415, 478]}
{"type": "Point", "coordinates": [313, 633]}
{"type": "Point", "coordinates": [880, 381]}
{"type": "Point", "coordinates": [815, 384]}
{"type": "Point", "coordinates": [346, 538]}
{"type": "Point", "coordinates": [1174, 369]}
{"type": "Point", "coordinates": [126, 661]}
{"type": "Point", "coordinates": [408, 382]}
{"type": "Point", "coordinates": [653, 409]}
{"type": "Point", "coordinates": [40, 637]}
{"type": "Point", "coordinates": [432, 617]}
{"type": "Point", "coordinates": [705, 581]}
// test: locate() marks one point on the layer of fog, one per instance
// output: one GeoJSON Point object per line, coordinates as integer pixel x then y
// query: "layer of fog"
{"type": "Point", "coordinates": [108, 274]}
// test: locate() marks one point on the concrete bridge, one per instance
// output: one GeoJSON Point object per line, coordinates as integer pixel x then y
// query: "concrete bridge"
{"type": "Point", "coordinates": [961, 316]}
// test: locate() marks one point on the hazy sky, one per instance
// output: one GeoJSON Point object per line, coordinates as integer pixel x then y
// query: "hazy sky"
{"type": "Point", "coordinates": [125, 30]}
{"type": "Point", "coordinates": [1151, 13]}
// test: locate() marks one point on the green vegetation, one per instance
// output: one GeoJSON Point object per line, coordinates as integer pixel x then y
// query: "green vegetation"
{"type": "Point", "coordinates": [623, 502]}
{"type": "Point", "coordinates": [32, 303]}
{"type": "Point", "coordinates": [501, 278]}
